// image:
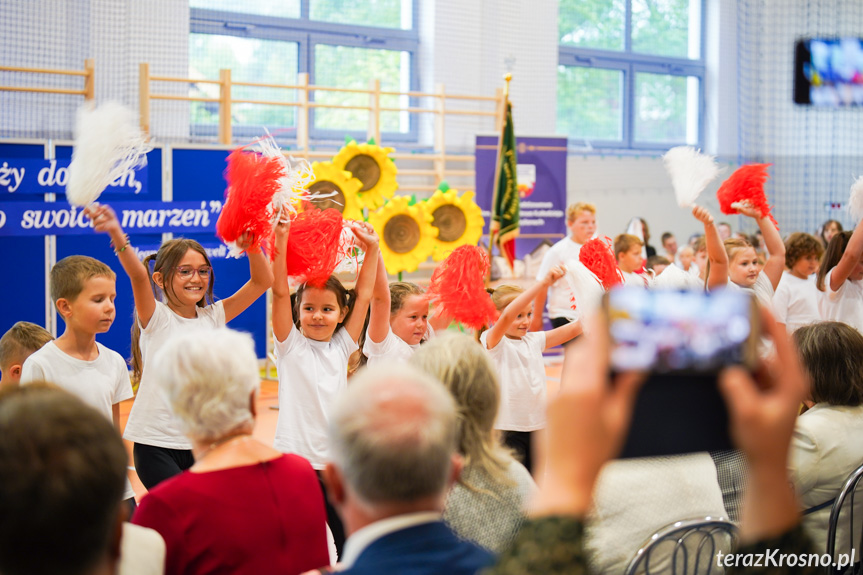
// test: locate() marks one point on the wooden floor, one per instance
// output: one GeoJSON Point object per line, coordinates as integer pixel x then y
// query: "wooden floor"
{"type": "Point", "coordinates": [265, 426]}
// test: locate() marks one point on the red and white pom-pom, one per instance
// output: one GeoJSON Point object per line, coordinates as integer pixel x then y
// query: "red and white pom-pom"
{"type": "Point", "coordinates": [855, 203]}
{"type": "Point", "coordinates": [746, 184]}
{"type": "Point", "coordinates": [108, 144]}
{"type": "Point", "coordinates": [586, 288]}
{"type": "Point", "coordinates": [690, 172]}
{"type": "Point", "coordinates": [293, 182]}
{"type": "Point", "coordinates": [597, 255]}
{"type": "Point", "coordinates": [457, 288]}
{"type": "Point", "coordinates": [252, 181]}
{"type": "Point", "coordinates": [316, 245]}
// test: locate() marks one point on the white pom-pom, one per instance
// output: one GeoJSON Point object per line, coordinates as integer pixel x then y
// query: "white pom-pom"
{"type": "Point", "coordinates": [672, 277]}
{"type": "Point", "coordinates": [690, 172]}
{"type": "Point", "coordinates": [855, 203]}
{"type": "Point", "coordinates": [108, 144]}
{"type": "Point", "coordinates": [585, 286]}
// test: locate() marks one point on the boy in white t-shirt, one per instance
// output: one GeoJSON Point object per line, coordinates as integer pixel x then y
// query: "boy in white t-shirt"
{"type": "Point", "coordinates": [581, 221]}
{"type": "Point", "coordinates": [627, 251]}
{"type": "Point", "coordinates": [795, 302]}
{"type": "Point", "coordinates": [20, 342]}
{"type": "Point", "coordinates": [83, 290]}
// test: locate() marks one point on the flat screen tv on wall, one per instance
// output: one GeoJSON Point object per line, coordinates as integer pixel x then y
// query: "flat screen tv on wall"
{"type": "Point", "coordinates": [828, 72]}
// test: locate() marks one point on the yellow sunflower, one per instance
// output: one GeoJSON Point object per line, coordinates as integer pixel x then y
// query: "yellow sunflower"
{"type": "Point", "coordinates": [406, 234]}
{"type": "Point", "coordinates": [329, 179]}
{"type": "Point", "coordinates": [370, 164]}
{"type": "Point", "coordinates": [458, 219]}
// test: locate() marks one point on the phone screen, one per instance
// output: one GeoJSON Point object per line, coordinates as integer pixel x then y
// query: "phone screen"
{"type": "Point", "coordinates": [682, 340]}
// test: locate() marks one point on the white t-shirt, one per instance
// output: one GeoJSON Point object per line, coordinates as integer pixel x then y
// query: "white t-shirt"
{"type": "Point", "coordinates": [392, 348]}
{"type": "Point", "coordinates": [633, 279]}
{"type": "Point", "coordinates": [796, 301]}
{"type": "Point", "coordinates": [844, 304]}
{"type": "Point", "coordinates": [100, 383]}
{"type": "Point", "coordinates": [762, 288]}
{"type": "Point", "coordinates": [559, 294]}
{"type": "Point", "coordinates": [311, 375]}
{"type": "Point", "coordinates": [152, 422]}
{"type": "Point", "coordinates": [521, 372]}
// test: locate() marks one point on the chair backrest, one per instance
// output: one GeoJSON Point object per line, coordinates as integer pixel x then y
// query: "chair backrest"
{"type": "Point", "coordinates": [685, 548]}
{"type": "Point", "coordinates": [846, 494]}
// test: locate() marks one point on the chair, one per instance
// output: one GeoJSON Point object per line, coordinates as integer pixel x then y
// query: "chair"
{"type": "Point", "coordinates": [691, 546]}
{"type": "Point", "coordinates": [847, 493]}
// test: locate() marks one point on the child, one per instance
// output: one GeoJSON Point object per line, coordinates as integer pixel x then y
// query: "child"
{"type": "Point", "coordinates": [669, 244]}
{"type": "Point", "coordinates": [743, 265]}
{"type": "Point", "coordinates": [840, 279]}
{"type": "Point", "coordinates": [627, 250]}
{"type": "Point", "coordinates": [83, 290]}
{"type": "Point", "coordinates": [517, 355]}
{"type": "Point", "coordinates": [685, 259]}
{"type": "Point", "coordinates": [657, 264]}
{"type": "Point", "coordinates": [314, 337]}
{"type": "Point", "coordinates": [183, 275]}
{"type": "Point", "coordinates": [581, 221]}
{"type": "Point", "coordinates": [795, 303]}
{"type": "Point", "coordinates": [16, 345]}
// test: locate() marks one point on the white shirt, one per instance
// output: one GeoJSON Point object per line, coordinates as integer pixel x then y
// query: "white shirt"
{"type": "Point", "coordinates": [796, 301]}
{"type": "Point", "coordinates": [100, 383]}
{"type": "Point", "coordinates": [825, 449]}
{"type": "Point", "coordinates": [365, 536]}
{"type": "Point", "coordinates": [391, 349]}
{"type": "Point", "coordinates": [151, 421]}
{"type": "Point", "coordinates": [311, 375]}
{"type": "Point", "coordinates": [560, 296]}
{"type": "Point", "coordinates": [523, 387]}
{"type": "Point", "coordinates": [844, 304]}
{"type": "Point", "coordinates": [762, 288]}
{"type": "Point", "coordinates": [633, 279]}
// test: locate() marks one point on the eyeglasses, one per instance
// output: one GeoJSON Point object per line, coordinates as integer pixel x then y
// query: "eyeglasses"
{"type": "Point", "coordinates": [186, 272]}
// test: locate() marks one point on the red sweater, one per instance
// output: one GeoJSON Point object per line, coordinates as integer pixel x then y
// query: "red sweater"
{"type": "Point", "coordinates": [263, 518]}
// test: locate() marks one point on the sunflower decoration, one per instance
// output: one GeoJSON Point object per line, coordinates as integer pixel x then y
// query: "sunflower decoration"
{"type": "Point", "coordinates": [344, 188]}
{"type": "Point", "coordinates": [372, 165]}
{"type": "Point", "coordinates": [458, 219]}
{"type": "Point", "coordinates": [406, 234]}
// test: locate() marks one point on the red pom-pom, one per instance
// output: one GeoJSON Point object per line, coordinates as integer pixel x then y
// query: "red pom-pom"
{"type": "Point", "coordinates": [458, 287]}
{"type": "Point", "coordinates": [252, 181]}
{"type": "Point", "coordinates": [316, 245]}
{"type": "Point", "coordinates": [598, 256]}
{"type": "Point", "coordinates": [746, 184]}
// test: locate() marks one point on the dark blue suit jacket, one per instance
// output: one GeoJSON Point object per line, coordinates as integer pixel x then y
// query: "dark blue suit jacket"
{"type": "Point", "coordinates": [429, 548]}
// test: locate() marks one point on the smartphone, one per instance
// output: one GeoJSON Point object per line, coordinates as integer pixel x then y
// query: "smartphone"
{"type": "Point", "coordinates": [682, 340]}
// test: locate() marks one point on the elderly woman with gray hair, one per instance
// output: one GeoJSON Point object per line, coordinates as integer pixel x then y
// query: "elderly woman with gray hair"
{"type": "Point", "coordinates": [487, 505]}
{"type": "Point", "coordinates": [243, 507]}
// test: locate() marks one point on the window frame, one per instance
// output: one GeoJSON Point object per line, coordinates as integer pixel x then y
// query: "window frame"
{"type": "Point", "coordinates": [630, 64]}
{"type": "Point", "coordinates": [308, 34]}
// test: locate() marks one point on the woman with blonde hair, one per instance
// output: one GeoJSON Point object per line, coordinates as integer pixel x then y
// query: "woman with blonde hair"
{"type": "Point", "coordinates": [486, 506]}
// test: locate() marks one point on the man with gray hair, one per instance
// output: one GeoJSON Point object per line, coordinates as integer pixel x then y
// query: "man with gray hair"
{"type": "Point", "coordinates": [393, 438]}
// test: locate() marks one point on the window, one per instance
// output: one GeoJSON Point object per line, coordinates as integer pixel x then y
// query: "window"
{"type": "Point", "coordinates": [331, 40]}
{"type": "Point", "coordinates": [631, 73]}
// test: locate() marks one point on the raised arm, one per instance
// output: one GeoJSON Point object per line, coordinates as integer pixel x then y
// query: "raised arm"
{"type": "Point", "coordinates": [510, 312]}
{"type": "Point", "coordinates": [538, 307]}
{"type": "Point", "coordinates": [368, 241]}
{"type": "Point", "coordinates": [379, 322]}
{"type": "Point", "coordinates": [283, 317]}
{"type": "Point", "coordinates": [105, 220]}
{"type": "Point", "coordinates": [563, 334]}
{"type": "Point", "coordinates": [850, 257]}
{"type": "Point", "coordinates": [260, 280]}
{"type": "Point", "coordinates": [716, 253]}
{"type": "Point", "coordinates": [775, 264]}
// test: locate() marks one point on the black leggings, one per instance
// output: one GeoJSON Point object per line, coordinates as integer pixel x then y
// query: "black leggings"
{"type": "Point", "coordinates": [519, 441]}
{"type": "Point", "coordinates": [156, 464]}
{"type": "Point", "coordinates": [333, 519]}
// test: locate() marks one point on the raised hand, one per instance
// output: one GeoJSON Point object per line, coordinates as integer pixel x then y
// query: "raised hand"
{"type": "Point", "coordinates": [702, 215]}
{"type": "Point", "coordinates": [747, 209]}
{"type": "Point", "coordinates": [365, 235]}
{"type": "Point", "coordinates": [554, 274]}
{"type": "Point", "coordinates": [104, 219]}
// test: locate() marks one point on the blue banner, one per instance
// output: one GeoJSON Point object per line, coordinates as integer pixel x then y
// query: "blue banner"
{"type": "Point", "coordinates": [215, 251]}
{"type": "Point", "coordinates": [44, 219]}
{"type": "Point", "coordinates": [36, 176]}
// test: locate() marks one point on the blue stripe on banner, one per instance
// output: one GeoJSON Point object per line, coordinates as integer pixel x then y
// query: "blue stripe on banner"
{"type": "Point", "coordinates": [42, 219]}
{"type": "Point", "coordinates": [37, 176]}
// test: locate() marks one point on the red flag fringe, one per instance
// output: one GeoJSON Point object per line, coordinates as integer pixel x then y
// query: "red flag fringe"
{"type": "Point", "coordinates": [746, 184]}
{"type": "Point", "coordinates": [458, 287]}
{"type": "Point", "coordinates": [598, 256]}
{"type": "Point", "coordinates": [252, 181]}
{"type": "Point", "coordinates": [315, 245]}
